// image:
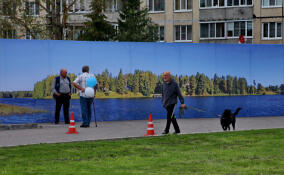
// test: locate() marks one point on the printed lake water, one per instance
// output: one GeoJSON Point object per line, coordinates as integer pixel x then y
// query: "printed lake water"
{"type": "Point", "coordinates": [139, 109]}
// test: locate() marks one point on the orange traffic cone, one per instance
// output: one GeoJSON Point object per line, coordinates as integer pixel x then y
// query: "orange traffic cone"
{"type": "Point", "coordinates": [72, 129]}
{"type": "Point", "coordinates": [150, 129]}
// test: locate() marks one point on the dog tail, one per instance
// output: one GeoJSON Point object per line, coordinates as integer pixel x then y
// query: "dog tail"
{"type": "Point", "coordinates": [237, 111]}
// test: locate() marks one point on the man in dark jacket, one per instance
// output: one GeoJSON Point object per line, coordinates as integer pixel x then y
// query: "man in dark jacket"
{"type": "Point", "coordinates": [170, 93]}
{"type": "Point", "coordinates": [62, 93]}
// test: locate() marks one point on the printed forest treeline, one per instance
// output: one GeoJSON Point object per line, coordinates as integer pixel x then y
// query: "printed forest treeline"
{"type": "Point", "coordinates": [148, 83]}
{"type": "Point", "coordinates": [16, 94]}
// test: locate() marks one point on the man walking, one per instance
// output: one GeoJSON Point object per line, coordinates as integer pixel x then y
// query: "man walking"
{"type": "Point", "coordinates": [170, 93]}
{"type": "Point", "coordinates": [85, 101]}
{"type": "Point", "coordinates": [62, 94]}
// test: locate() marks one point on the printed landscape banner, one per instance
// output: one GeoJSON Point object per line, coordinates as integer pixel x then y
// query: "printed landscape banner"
{"type": "Point", "coordinates": [212, 77]}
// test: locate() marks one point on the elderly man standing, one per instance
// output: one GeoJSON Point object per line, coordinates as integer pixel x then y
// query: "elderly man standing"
{"type": "Point", "coordinates": [170, 93]}
{"type": "Point", "coordinates": [62, 94]}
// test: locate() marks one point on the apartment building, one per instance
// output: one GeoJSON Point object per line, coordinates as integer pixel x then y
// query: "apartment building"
{"type": "Point", "coordinates": [268, 18]}
{"type": "Point", "coordinates": [219, 21]}
{"type": "Point", "coordinates": [193, 21]}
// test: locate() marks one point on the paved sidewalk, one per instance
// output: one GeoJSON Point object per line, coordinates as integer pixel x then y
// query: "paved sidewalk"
{"type": "Point", "coordinates": [50, 133]}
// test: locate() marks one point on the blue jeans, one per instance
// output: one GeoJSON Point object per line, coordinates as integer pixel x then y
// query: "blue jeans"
{"type": "Point", "coordinates": [86, 109]}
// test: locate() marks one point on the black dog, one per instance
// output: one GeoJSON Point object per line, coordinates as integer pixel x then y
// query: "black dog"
{"type": "Point", "coordinates": [228, 118]}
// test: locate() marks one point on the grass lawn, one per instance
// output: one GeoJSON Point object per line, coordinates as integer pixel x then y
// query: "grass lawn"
{"type": "Point", "coordinates": [259, 152]}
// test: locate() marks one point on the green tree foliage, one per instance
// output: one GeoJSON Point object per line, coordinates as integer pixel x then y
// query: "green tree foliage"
{"type": "Point", "coordinates": [104, 81]}
{"type": "Point", "coordinates": [192, 85]}
{"type": "Point", "coordinates": [272, 88]}
{"type": "Point", "coordinates": [211, 87]}
{"type": "Point", "coordinates": [251, 90]}
{"type": "Point", "coordinates": [120, 83]}
{"type": "Point", "coordinates": [97, 28]}
{"type": "Point", "coordinates": [159, 85]}
{"type": "Point", "coordinates": [223, 85]}
{"type": "Point", "coordinates": [134, 24]}
{"type": "Point", "coordinates": [202, 85]}
{"type": "Point", "coordinates": [260, 89]}
{"type": "Point", "coordinates": [236, 86]}
{"type": "Point", "coordinates": [48, 85]}
{"type": "Point", "coordinates": [113, 84]}
{"type": "Point", "coordinates": [16, 94]}
{"type": "Point", "coordinates": [39, 90]}
{"type": "Point", "coordinates": [281, 88]}
{"type": "Point", "coordinates": [216, 84]}
{"type": "Point", "coordinates": [147, 83]}
{"type": "Point", "coordinates": [230, 86]}
{"type": "Point", "coordinates": [136, 80]}
{"type": "Point", "coordinates": [243, 86]}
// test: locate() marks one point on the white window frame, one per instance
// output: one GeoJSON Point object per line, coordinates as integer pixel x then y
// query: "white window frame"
{"type": "Point", "coordinates": [73, 9]}
{"type": "Point", "coordinates": [226, 5]}
{"type": "Point", "coordinates": [225, 27]}
{"type": "Point", "coordinates": [186, 40]}
{"type": "Point", "coordinates": [115, 26]}
{"type": "Point", "coordinates": [271, 6]}
{"type": "Point", "coordinates": [153, 11]}
{"type": "Point", "coordinates": [28, 36]}
{"type": "Point", "coordinates": [226, 30]}
{"type": "Point", "coordinates": [183, 10]}
{"type": "Point", "coordinates": [268, 33]}
{"type": "Point", "coordinates": [114, 6]}
{"type": "Point", "coordinates": [246, 28]}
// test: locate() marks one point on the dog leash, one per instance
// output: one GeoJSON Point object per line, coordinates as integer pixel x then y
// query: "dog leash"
{"type": "Point", "coordinates": [203, 111]}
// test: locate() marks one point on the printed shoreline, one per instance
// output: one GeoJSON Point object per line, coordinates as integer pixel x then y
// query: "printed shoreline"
{"type": "Point", "coordinates": [7, 110]}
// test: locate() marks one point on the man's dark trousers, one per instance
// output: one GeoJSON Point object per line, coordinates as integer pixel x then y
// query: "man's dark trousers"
{"type": "Point", "coordinates": [63, 99]}
{"type": "Point", "coordinates": [171, 118]}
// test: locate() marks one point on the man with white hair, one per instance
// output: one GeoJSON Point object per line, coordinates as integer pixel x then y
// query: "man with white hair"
{"type": "Point", "coordinates": [62, 94]}
{"type": "Point", "coordinates": [170, 93]}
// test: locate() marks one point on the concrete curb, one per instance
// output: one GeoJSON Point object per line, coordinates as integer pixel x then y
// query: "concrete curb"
{"type": "Point", "coordinates": [19, 126]}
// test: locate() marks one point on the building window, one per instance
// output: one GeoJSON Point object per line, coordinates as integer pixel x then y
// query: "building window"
{"type": "Point", "coordinates": [183, 5]}
{"type": "Point", "coordinates": [204, 30]}
{"type": "Point", "coordinates": [156, 5]}
{"type": "Point", "coordinates": [237, 28]}
{"type": "Point", "coordinates": [113, 6]}
{"type": "Point", "coordinates": [249, 28]}
{"type": "Point", "coordinates": [271, 3]}
{"type": "Point", "coordinates": [272, 30]}
{"type": "Point", "coordinates": [9, 34]}
{"type": "Point", "coordinates": [239, 3]}
{"type": "Point", "coordinates": [212, 30]}
{"type": "Point", "coordinates": [78, 31]}
{"type": "Point", "coordinates": [79, 6]}
{"type": "Point", "coordinates": [32, 8]}
{"type": "Point", "coordinates": [161, 33]}
{"type": "Point", "coordinates": [7, 9]}
{"type": "Point", "coordinates": [183, 33]}
{"type": "Point", "coordinates": [224, 3]}
{"type": "Point", "coordinates": [232, 30]}
{"type": "Point", "coordinates": [212, 3]}
{"type": "Point", "coordinates": [29, 35]}
{"type": "Point", "coordinates": [115, 26]}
